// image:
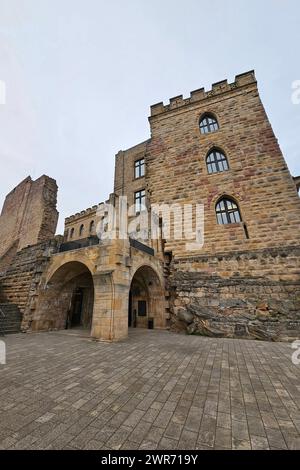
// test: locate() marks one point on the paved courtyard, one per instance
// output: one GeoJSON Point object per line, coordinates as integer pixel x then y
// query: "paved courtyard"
{"type": "Point", "coordinates": [156, 390]}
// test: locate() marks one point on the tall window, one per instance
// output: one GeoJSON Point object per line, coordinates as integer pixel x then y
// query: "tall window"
{"type": "Point", "coordinates": [140, 200]}
{"type": "Point", "coordinates": [208, 123]}
{"type": "Point", "coordinates": [216, 162]}
{"type": "Point", "coordinates": [92, 226]}
{"type": "Point", "coordinates": [81, 230]}
{"type": "Point", "coordinates": [72, 232]}
{"type": "Point", "coordinates": [139, 168]}
{"type": "Point", "coordinates": [227, 211]}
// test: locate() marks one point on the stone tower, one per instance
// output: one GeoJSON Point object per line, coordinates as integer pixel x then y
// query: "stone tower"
{"type": "Point", "coordinates": [29, 214]}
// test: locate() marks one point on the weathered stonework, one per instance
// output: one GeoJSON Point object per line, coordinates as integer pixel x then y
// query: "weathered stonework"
{"type": "Point", "coordinates": [110, 267]}
{"type": "Point", "coordinates": [29, 215]}
{"type": "Point", "coordinates": [243, 282]}
{"type": "Point", "coordinates": [19, 283]}
{"type": "Point", "coordinates": [263, 303]}
{"type": "Point", "coordinates": [81, 225]}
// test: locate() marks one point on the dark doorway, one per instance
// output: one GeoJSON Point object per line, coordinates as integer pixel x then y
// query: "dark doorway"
{"type": "Point", "coordinates": [146, 300]}
{"type": "Point", "coordinates": [76, 312]}
{"type": "Point", "coordinates": [71, 287]}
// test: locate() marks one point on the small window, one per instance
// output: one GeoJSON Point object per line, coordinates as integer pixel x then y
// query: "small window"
{"type": "Point", "coordinates": [139, 168]}
{"type": "Point", "coordinates": [140, 200]}
{"type": "Point", "coordinates": [81, 230]}
{"type": "Point", "coordinates": [72, 233]}
{"type": "Point", "coordinates": [227, 212]}
{"type": "Point", "coordinates": [92, 226]}
{"type": "Point", "coordinates": [216, 162]}
{"type": "Point", "coordinates": [67, 234]}
{"type": "Point", "coordinates": [208, 123]}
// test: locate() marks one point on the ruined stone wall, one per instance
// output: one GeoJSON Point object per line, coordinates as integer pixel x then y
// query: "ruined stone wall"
{"type": "Point", "coordinates": [253, 294]}
{"type": "Point", "coordinates": [19, 284]}
{"type": "Point", "coordinates": [29, 214]}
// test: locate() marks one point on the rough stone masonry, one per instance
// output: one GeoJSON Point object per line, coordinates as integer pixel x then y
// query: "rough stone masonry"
{"type": "Point", "coordinates": [215, 148]}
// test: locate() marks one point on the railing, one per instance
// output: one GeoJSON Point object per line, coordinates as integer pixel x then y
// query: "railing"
{"type": "Point", "coordinates": [77, 244]}
{"type": "Point", "coordinates": [141, 246]}
{"type": "Point", "coordinates": [94, 240]}
{"type": "Point", "coordinates": [2, 317]}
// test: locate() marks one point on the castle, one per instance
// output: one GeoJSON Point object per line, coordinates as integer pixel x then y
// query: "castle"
{"type": "Point", "coordinates": [238, 274]}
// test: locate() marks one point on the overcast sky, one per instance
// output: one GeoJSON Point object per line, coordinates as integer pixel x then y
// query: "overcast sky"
{"type": "Point", "coordinates": [81, 75]}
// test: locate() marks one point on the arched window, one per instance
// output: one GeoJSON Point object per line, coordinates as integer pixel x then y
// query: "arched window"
{"type": "Point", "coordinates": [208, 123]}
{"type": "Point", "coordinates": [216, 161]}
{"type": "Point", "coordinates": [227, 211]}
{"type": "Point", "coordinates": [81, 230]}
{"type": "Point", "coordinates": [71, 232]}
{"type": "Point", "coordinates": [92, 226]}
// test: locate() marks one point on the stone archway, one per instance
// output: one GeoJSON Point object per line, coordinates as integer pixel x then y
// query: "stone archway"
{"type": "Point", "coordinates": [67, 299]}
{"type": "Point", "coordinates": [146, 299]}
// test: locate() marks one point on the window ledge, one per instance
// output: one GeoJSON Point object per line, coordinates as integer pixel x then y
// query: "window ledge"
{"type": "Point", "coordinates": [217, 172]}
{"type": "Point", "coordinates": [235, 225]}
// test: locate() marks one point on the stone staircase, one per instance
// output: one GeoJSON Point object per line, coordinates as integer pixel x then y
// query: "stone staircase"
{"type": "Point", "coordinates": [15, 287]}
{"type": "Point", "coordinates": [7, 259]}
{"type": "Point", "coordinates": [15, 283]}
{"type": "Point", "coordinates": [10, 319]}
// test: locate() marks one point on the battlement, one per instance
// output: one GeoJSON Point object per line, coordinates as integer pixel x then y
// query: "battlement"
{"type": "Point", "coordinates": [218, 88]}
{"type": "Point", "coordinates": [87, 212]}
{"type": "Point", "coordinates": [90, 211]}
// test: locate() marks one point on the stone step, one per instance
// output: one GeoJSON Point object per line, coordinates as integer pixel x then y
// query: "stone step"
{"type": "Point", "coordinates": [8, 319]}
{"type": "Point", "coordinates": [11, 322]}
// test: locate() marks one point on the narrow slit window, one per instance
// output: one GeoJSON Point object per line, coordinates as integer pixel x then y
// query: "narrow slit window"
{"type": "Point", "coordinates": [81, 230]}
{"type": "Point", "coordinates": [92, 226]}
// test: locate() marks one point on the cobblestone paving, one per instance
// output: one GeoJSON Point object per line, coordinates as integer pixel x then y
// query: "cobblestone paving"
{"type": "Point", "coordinates": [156, 390]}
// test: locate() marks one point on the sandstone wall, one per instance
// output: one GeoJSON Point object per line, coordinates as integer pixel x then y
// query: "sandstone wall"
{"type": "Point", "coordinates": [29, 214]}
{"type": "Point", "coordinates": [258, 177]}
{"type": "Point", "coordinates": [19, 284]}
{"type": "Point", "coordinates": [87, 218]}
{"type": "Point", "coordinates": [243, 283]}
{"type": "Point", "coordinates": [125, 182]}
{"type": "Point", "coordinates": [254, 294]}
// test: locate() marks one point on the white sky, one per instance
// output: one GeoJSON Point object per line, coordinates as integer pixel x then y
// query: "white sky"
{"type": "Point", "coordinates": [82, 74]}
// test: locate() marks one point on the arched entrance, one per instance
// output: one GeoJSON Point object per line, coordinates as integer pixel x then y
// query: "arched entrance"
{"type": "Point", "coordinates": [68, 298]}
{"type": "Point", "coordinates": [146, 300]}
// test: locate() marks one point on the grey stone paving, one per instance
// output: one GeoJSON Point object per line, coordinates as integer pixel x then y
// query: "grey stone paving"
{"type": "Point", "coordinates": [156, 390]}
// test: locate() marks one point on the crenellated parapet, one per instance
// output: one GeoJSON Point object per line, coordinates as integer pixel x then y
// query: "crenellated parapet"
{"type": "Point", "coordinates": [201, 94]}
{"type": "Point", "coordinates": [82, 214]}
